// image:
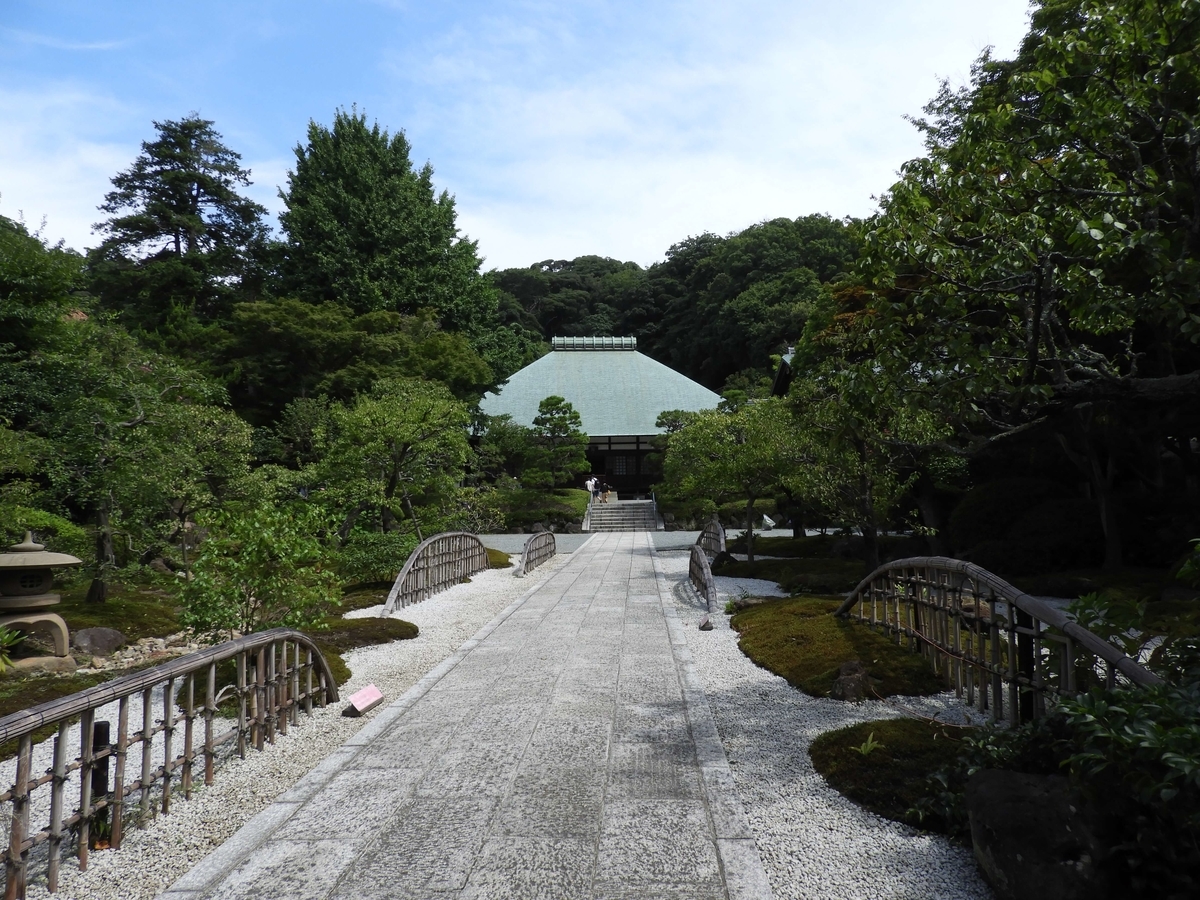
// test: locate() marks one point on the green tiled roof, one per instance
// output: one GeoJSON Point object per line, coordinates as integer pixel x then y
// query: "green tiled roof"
{"type": "Point", "coordinates": [615, 391]}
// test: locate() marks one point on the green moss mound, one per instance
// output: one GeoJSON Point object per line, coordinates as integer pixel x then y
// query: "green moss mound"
{"type": "Point", "coordinates": [498, 559]}
{"type": "Point", "coordinates": [800, 639]}
{"type": "Point", "coordinates": [364, 596]}
{"type": "Point", "coordinates": [891, 778]}
{"type": "Point", "coordinates": [800, 576]}
{"type": "Point", "coordinates": [340, 635]}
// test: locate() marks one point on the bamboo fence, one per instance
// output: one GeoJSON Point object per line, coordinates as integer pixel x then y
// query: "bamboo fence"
{"type": "Point", "coordinates": [1009, 653]}
{"type": "Point", "coordinates": [439, 562]}
{"type": "Point", "coordinates": [278, 673]}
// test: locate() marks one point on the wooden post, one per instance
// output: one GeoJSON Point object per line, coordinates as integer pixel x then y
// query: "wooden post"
{"type": "Point", "coordinates": [189, 719]}
{"type": "Point", "coordinates": [18, 859]}
{"type": "Point", "coordinates": [260, 697]}
{"type": "Point", "coordinates": [147, 747]}
{"type": "Point", "coordinates": [308, 673]}
{"type": "Point", "coordinates": [118, 799]}
{"type": "Point", "coordinates": [85, 785]}
{"type": "Point", "coordinates": [210, 710]}
{"type": "Point", "coordinates": [168, 743]}
{"type": "Point", "coordinates": [1025, 672]}
{"type": "Point", "coordinates": [241, 693]}
{"type": "Point", "coordinates": [56, 804]}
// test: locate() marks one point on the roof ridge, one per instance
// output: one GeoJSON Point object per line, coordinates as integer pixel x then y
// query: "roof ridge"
{"type": "Point", "coordinates": [599, 342]}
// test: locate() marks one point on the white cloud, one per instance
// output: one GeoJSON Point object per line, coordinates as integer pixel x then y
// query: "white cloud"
{"type": "Point", "coordinates": [57, 157]}
{"type": "Point", "coordinates": [556, 147]}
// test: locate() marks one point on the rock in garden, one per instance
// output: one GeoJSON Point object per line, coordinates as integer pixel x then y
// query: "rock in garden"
{"type": "Point", "coordinates": [60, 664]}
{"type": "Point", "coordinates": [98, 641]}
{"type": "Point", "coordinates": [1033, 837]}
{"type": "Point", "coordinates": [705, 624]}
{"type": "Point", "coordinates": [852, 684]}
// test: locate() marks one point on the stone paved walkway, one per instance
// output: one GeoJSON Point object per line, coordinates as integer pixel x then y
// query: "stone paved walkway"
{"type": "Point", "coordinates": [567, 751]}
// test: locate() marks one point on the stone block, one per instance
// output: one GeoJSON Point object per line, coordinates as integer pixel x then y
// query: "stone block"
{"type": "Point", "coordinates": [98, 641]}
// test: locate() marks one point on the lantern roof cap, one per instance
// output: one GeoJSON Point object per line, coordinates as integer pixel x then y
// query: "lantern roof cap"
{"type": "Point", "coordinates": [30, 555]}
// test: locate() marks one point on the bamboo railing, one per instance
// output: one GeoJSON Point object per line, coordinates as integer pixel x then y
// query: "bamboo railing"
{"type": "Point", "coordinates": [538, 548]}
{"type": "Point", "coordinates": [701, 576]}
{"type": "Point", "coordinates": [278, 672]}
{"type": "Point", "coordinates": [439, 562]}
{"type": "Point", "coordinates": [1008, 652]}
{"type": "Point", "coordinates": [712, 538]}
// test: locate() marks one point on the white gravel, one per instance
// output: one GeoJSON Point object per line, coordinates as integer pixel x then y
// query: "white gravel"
{"type": "Point", "coordinates": [815, 844]}
{"type": "Point", "coordinates": [154, 857]}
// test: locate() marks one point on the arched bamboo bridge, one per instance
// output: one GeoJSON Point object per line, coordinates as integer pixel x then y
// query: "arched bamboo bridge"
{"type": "Point", "coordinates": [566, 751]}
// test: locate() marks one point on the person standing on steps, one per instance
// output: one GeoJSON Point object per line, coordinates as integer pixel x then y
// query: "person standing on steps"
{"type": "Point", "coordinates": [593, 487]}
{"type": "Point", "coordinates": [605, 487]}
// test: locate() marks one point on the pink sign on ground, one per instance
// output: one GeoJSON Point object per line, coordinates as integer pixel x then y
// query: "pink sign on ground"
{"type": "Point", "coordinates": [363, 701]}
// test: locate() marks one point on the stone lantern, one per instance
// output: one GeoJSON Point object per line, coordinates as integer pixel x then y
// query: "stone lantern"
{"type": "Point", "coordinates": [25, 582]}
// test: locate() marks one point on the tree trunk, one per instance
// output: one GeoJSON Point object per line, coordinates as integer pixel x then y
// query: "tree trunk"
{"type": "Point", "coordinates": [412, 515]}
{"type": "Point", "coordinates": [925, 494]}
{"type": "Point", "coordinates": [870, 546]}
{"type": "Point", "coordinates": [1100, 478]}
{"type": "Point", "coordinates": [348, 522]}
{"type": "Point", "coordinates": [106, 556]}
{"type": "Point", "coordinates": [750, 530]}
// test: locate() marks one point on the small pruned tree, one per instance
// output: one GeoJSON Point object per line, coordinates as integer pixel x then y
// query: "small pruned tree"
{"type": "Point", "coordinates": [561, 445]}
{"type": "Point", "coordinates": [262, 566]}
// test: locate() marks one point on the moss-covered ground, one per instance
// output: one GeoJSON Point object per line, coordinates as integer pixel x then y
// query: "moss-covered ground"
{"type": "Point", "coordinates": [498, 559]}
{"type": "Point", "coordinates": [803, 575]}
{"type": "Point", "coordinates": [149, 609]}
{"type": "Point", "coordinates": [799, 639]}
{"type": "Point", "coordinates": [890, 778]}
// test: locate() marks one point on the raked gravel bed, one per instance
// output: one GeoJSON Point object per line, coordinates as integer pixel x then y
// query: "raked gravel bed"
{"type": "Point", "coordinates": [153, 858]}
{"type": "Point", "coordinates": [815, 844]}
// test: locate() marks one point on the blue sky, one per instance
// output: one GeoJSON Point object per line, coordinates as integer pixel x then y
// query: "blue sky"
{"type": "Point", "coordinates": [614, 128]}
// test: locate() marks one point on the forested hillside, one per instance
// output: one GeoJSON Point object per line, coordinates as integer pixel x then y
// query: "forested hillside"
{"type": "Point", "coordinates": [716, 308]}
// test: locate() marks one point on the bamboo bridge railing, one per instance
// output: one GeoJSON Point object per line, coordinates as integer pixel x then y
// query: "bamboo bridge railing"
{"type": "Point", "coordinates": [538, 548]}
{"type": "Point", "coordinates": [1007, 652]}
{"type": "Point", "coordinates": [710, 540]}
{"type": "Point", "coordinates": [439, 562]}
{"type": "Point", "coordinates": [278, 673]}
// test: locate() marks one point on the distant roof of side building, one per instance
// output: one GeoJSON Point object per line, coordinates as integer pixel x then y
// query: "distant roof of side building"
{"type": "Point", "coordinates": [615, 389]}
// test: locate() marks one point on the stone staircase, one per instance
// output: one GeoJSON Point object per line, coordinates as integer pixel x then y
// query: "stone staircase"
{"type": "Point", "coordinates": [622, 515]}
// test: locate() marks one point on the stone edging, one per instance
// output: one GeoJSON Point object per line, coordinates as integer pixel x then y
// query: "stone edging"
{"type": "Point", "coordinates": [745, 877]}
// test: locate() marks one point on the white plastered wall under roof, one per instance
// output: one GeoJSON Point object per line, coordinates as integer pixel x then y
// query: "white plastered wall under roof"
{"type": "Point", "coordinates": [617, 391]}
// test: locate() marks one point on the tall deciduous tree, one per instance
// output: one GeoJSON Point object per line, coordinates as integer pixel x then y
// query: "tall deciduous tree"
{"type": "Point", "coordinates": [182, 244]}
{"type": "Point", "coordinates": [1041, 265]}
{"type": "Point", "coordinates": [366, 229]}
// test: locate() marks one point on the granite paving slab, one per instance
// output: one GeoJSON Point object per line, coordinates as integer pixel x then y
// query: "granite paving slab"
{"type": "Point", "coordinates": [566, 751]}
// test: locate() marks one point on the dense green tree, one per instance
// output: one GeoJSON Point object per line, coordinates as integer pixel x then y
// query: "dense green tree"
{"type": "Point", "coordinates": [182, 244]}
{"type": "Point", "coordinates": [743, 454]}
{"type": "Point", "coordinates": [367, 230]}
{"type": "Point", "coordinates": [1040, 266]}
{"type": "Point", "coordinates": [37, 284]}
{"type": "Point", "coordinates": [282, 349]}
{"type": "Point", "coordinates": [503, 449]}
{"type": "Point", "coordinates": [397, 448]}
{"type": "Point", "coordinates": [559, 442]}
